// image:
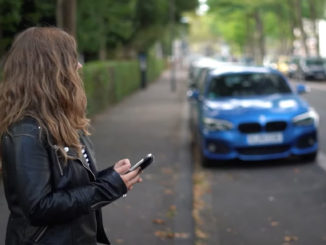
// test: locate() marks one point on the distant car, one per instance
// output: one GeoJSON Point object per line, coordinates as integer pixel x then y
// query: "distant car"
{"type": "Point", "coordinates": [197, 66]}
{"type": "Point", "coordinates": [293, 67]}
{"type": "Point", "coordinates": [251, 113]}
{"type": "Point", "coordinates": [310, 68]}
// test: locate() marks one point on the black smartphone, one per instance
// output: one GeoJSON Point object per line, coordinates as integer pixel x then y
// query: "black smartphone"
{"type": "Point", "coordinates": [143, 163]}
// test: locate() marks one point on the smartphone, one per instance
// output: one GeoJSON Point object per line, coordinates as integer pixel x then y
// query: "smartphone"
{"type": "Point", "coordinates": [143, 163]}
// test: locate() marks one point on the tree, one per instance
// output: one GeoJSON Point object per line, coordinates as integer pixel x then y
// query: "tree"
{"type": "Point", "coordinates": [66, 15]}
{"type": "Point", "coordinates": [9, 21]}
{"type": "Point", "coordinates": [18, 15]}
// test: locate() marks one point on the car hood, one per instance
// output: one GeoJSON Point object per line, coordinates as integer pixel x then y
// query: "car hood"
{"type": "Point", "coordinates": [271, 106]}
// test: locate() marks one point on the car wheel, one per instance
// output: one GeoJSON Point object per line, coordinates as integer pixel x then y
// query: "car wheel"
{"type": "Point", "coordinates": [311, 157]}
{"type": "Point", "coordinates": [201, 159]}
{"type": "Point", "coordinates": [204, 161]}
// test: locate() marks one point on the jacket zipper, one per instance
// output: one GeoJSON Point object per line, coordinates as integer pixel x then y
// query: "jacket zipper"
{"type": "Point", "coordinates": [39, 234]}
{"type": "Point", "coordinates": [87, 168]}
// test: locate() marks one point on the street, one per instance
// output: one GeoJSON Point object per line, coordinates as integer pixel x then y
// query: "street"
{"type": "Point", "coordinates": [278, 202]}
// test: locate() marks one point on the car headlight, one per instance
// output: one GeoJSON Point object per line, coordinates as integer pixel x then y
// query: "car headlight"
{"type": "Point", "coordinates": [306, 119]}
{"type": "Point", "coordinates": [217, 124]}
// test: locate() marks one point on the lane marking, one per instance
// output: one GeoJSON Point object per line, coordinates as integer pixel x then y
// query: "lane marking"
{"type": "Point", "coordinates": [321, 160]}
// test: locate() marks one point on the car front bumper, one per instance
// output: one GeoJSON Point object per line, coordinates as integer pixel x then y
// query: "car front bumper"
{"type": "Point", "coordinates": [234, 145]}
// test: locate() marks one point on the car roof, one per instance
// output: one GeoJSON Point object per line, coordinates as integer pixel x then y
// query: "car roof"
{"type": "Point", "coordinates": [237, 69]}
{"type": "Point", "coordinates": [207, 62]}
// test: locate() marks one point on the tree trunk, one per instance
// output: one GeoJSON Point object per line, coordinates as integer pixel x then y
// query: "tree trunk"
{"type": "Point", "coordinates": [313, 17]}
{"type": "Point", "coordinates": [293, 23]}
{"type": "Point", "coordinates": [250, 45]}
{"type": "Point", "coordinates": [260, 38]}
{"type": "Point", "coordinates": [66, 15]}
{"type": "Point", "coordinates": [102, 54]}
{"type": "Point", "coordinates": [298, 10]}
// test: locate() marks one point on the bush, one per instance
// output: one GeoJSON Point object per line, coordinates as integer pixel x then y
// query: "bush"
{"type": "Point", "coordinates": [108, 82]}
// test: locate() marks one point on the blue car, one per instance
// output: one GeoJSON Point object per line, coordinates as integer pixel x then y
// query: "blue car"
{"type": "Point", "coordinates": [251, 114]}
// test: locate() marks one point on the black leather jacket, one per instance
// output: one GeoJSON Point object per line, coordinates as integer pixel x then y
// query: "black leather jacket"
{"type": "Point", "coordinates": [50, 201]}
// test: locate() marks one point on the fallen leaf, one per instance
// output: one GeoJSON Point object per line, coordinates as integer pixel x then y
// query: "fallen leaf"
{"type": "Point", "coordinates": [167, 171]}
{"type": "Point", "coordinates": [159, 221]}
{"type": "Point", "coordinates": [168, 192]}
{"type": "Point", "coordinates": [274, 223]}
{"type": "Point", "coordinates": [181, 235]}
{"type": "Point", "coordinates": [200, 234]}
{"type": "Point", "coordinates": [290, 238]}
{"type": "Point", "coordinates": [296, 170]}
{"type": "Point", "coordinates": [172, 211]}
{"type": "Point", "coordinates": [119, 241]}
{"type": "Point", "coordinates": [164, 234]}
{"type": "Point", "coordinates": [172, 208]}
{"type": "Point", "coordinates": [160, 234]}
{"type": "Point", "coordinates": [228, 229]}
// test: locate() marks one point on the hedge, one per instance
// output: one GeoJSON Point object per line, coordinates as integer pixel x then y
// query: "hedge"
{"type": "Point", "coordinates": [108, 82]}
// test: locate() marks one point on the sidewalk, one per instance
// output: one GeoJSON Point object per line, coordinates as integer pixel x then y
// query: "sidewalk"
{"type": "Point", "coordinates": [157, 211]}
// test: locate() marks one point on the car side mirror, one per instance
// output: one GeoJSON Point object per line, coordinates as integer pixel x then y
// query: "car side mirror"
{"type": "Point", "coordinates": [193, 94]}
{"type": "Point", "coordinates": [301, 89]}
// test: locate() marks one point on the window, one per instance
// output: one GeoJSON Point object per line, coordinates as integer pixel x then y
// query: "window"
{"type": "Point", "coordinates": [247, 84]}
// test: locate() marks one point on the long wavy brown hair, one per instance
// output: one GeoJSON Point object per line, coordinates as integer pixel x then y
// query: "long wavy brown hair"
{"type": "Point", "coordinates": [41, 80]}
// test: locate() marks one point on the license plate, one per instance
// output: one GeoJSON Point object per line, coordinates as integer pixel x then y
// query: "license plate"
{"type": "Point", "coordinates": [268, 138]}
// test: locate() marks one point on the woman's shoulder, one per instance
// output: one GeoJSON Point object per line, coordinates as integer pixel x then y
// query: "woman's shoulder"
{"type": "Point", "coordinates": [26, 126]}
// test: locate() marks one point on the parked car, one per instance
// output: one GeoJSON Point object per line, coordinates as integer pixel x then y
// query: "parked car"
{"type": "Point", "coordinates": [251, 113]}
{"type": "Point", "coordinates": [293, 66]}
{"type": "Point", "coordinates": [310, 68]}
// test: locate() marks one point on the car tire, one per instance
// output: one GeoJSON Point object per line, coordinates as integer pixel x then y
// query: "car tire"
{"type": "Point", "coordinates": [311, 157]}
{"type": "Point", "coordinates": [204, 161]}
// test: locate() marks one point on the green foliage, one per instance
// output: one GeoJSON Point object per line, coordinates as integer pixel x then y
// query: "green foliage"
{"type": "Point", "coordinates": [155, 66]}
{"type": "Point", "coordinates": [18, 15]}
{"type": "Point", "coordinates": [104, 23]}
{"type": "Point", "coordinates": [278, 18]}
{"type": "Point", "coordinates": [9, 20]}
{"type": "Point", "coordinates": [109, 82]}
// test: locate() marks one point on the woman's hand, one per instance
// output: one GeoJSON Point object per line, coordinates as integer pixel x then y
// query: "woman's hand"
{"type": "Point", "coordinates": [131, 178]}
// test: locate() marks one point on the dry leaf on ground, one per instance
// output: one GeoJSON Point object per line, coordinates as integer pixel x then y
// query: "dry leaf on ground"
{"type": "Point", "coordinates": [119, 241]}
{"type": "Point", "coordinates": [181, 235]}
{"type": "Point", "coordinates": [164, 234]}
{"type": "Point", "coordinates": [168, 192]}
{"type": "Point", "coordinates": [290, 238]}
{"type": "Point", "coordinates": [159, 221]}
{"type": "Point", "coordinates": [274, 223]}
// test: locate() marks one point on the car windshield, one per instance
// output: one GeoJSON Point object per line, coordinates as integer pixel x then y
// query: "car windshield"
{"type": "Point", "coordinates": [250, 84]}
{"type": "Point", "coordinates": [314, 62]}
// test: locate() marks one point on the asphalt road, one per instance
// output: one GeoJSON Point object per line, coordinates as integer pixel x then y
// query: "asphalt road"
{"type": "Point", "coordinates": [278, 202]}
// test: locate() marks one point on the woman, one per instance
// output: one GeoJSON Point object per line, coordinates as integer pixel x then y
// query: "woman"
{"type": "Point", "coordinates": [52, 187]}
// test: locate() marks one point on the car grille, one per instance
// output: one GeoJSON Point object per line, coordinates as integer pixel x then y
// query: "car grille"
{"type": "Point", "coordinates": [248, 128]}
{"type": "Point", "coordinates": [263, 150]}
{"type": "Point", "coordinates": [275, 126]}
